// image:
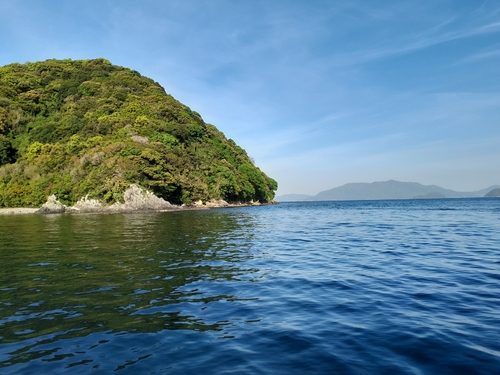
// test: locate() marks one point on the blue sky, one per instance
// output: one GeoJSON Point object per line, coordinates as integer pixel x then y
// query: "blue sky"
{"type": "Point", "coordinates": [319, 93]}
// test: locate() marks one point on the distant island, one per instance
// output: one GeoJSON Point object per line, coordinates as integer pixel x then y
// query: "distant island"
{"type": "Point", "coordinates": [387, 190]}
{"type": "Point", "coordinates": [493, 193]}
{"type": "Point", "coordinates": [87, 129]}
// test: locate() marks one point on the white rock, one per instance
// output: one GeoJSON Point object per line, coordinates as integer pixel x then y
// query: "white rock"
{"type": "Point", "coordinates": [52, 206]}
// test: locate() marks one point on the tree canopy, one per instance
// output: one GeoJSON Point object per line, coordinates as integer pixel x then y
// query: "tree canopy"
{"type": "Point", "coordinates": [86, 127]}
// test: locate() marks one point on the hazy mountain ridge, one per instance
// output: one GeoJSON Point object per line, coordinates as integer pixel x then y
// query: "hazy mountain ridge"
{"type": "Point", "coordinates": [493, 193]}
{"type": "Point", "coordinates": [386, 190]}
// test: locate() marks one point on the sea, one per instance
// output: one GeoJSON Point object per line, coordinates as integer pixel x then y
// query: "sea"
{"type": "Point", "coordinates": [350, 287]}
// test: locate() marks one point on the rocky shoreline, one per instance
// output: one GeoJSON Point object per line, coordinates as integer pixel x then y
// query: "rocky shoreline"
{"type": "Point", "coordinates": [136, 199]}
{"type": "Point", "coordinates": [17, 211]}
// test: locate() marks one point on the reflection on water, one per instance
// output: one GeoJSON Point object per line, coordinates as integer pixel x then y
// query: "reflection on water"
{"type": "Point", "coordinates": [77, 274]}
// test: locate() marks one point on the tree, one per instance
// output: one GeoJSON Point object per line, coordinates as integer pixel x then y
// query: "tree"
{"type": "Point", "coordinates": [7, 152]}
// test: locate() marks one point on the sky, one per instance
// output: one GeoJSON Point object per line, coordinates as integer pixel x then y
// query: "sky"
{"type": "Point", "coordinates": [319, 93]}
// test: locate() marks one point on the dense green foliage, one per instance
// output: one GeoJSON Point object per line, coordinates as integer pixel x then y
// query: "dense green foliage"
{"type": "Point", "coordinates": [77, 128]}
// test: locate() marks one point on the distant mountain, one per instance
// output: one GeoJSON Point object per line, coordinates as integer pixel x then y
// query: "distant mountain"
{"type": "Point", "coordinates": [392, 190]}
{"type": "Point", "coordinates": [292, 197]}
{"type": "Point", "coordinates": [493, 193]}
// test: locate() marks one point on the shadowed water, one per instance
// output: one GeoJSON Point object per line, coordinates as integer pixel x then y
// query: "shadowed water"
{"type": "Point", "coordinates": [377, 287]}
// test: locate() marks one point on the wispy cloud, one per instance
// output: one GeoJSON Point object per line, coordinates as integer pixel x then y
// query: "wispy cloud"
{"type": "Point", "coordinates": [480, 57]}
{"type": "Point", "coordinates": [330, 90]}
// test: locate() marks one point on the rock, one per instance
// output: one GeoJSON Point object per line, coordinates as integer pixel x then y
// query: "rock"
{"type": "Point", "coordinates": [86, 205]}
{"type": "Point", "coordinates": [197, 204]}
{"type": "Point", "coordinates": [52, 206]}
{"type": "Point", "coordinates": [137, 199]}
{"type": "Point", "coordinates": [139, 139]}
{"type": "Point", "coordinates": [217, 203]}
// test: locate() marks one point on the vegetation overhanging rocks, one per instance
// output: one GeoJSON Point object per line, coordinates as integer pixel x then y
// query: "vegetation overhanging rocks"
{"type": "Point", "coordinates": [88, 129]}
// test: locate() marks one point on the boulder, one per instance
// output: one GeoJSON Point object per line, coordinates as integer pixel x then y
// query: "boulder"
{"type": "Point", "coordinates": [138, 199]}
{"type": "Point", "coordinates": [52, 206]}
{"type": "Point", "coordinates": [217, 203]}
{"type": "Point", "coordinates": [85, 205]}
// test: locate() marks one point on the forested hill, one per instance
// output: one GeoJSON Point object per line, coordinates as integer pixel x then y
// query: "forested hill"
{"type": "Point", "coordinates": [77, 128]}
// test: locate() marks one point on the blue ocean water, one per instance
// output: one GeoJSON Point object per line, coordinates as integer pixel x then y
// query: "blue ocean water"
{"type": "Point", "coordinates": [365, 287]}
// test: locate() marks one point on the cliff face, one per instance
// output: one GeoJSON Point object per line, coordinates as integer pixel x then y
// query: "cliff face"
{"type": "Point", "coordinates": [89, 128]}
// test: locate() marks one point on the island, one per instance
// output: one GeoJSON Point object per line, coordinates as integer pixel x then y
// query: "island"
{"type": "Point", "coordinates": [87, 133]}
{"type": "Point", "coordinates": [493, 193]}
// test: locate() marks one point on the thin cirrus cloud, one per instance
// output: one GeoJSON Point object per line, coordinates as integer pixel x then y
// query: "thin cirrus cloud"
{"type": "Point", "coordinates": [488, 55]}
{"type": "Point", "coordinates": [319, 93]}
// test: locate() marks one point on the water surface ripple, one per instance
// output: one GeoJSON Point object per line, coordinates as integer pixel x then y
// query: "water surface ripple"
{"type": "Point", "coordinates": [366, 287]}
